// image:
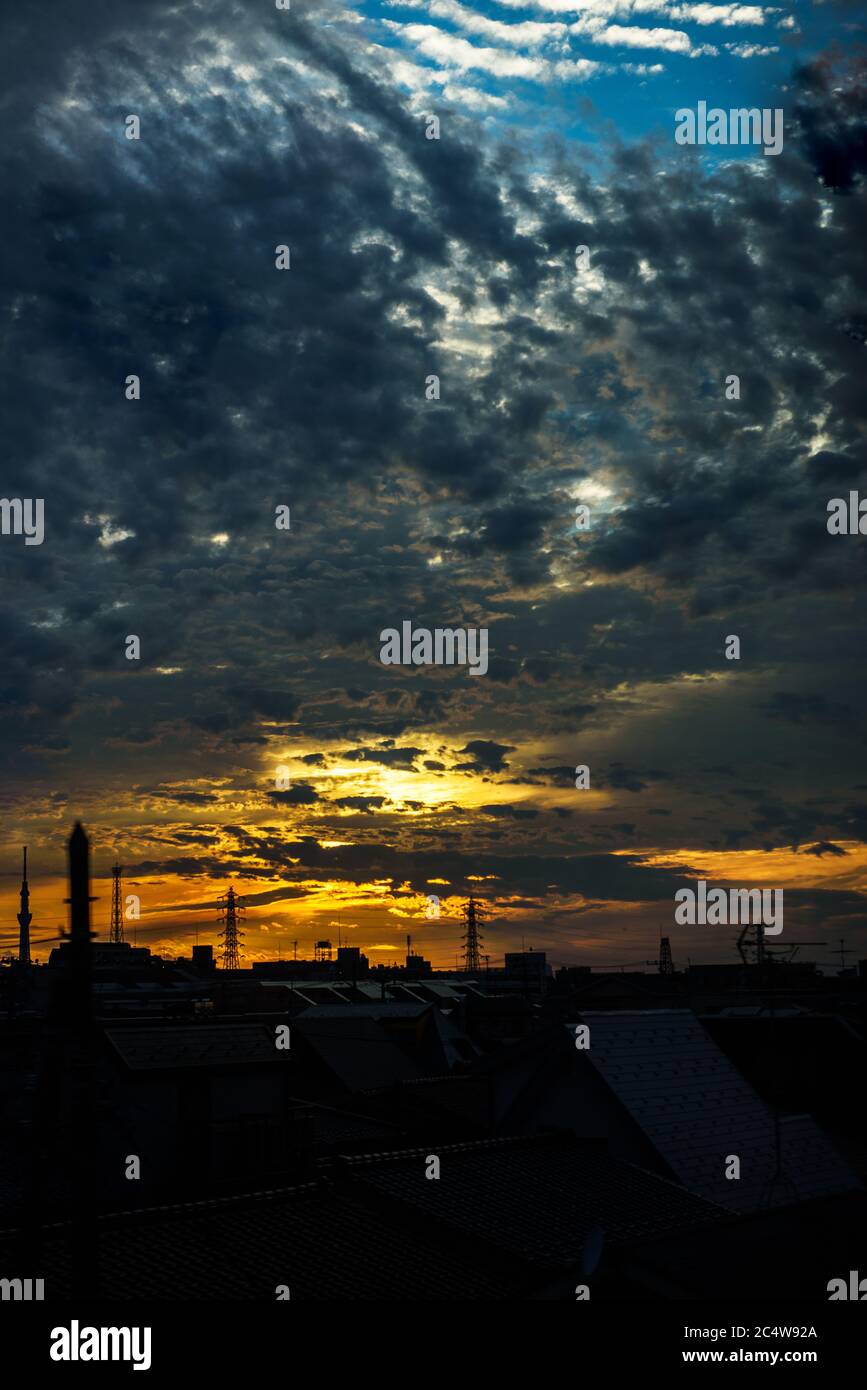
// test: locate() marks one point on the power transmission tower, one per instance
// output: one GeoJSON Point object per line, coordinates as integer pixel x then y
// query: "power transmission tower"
{"type": "Point", "coordinates": [472, 937]}
{"type": "Point", "coordinates": [116, 933]}
{"type": "Point", "coordinates": [231, 915]}
{"type": "Point", "coordinates": [666, 964]}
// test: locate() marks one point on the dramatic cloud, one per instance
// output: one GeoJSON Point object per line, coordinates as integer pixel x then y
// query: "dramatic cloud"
{"type": "Point", "coordinates": [560, 386]}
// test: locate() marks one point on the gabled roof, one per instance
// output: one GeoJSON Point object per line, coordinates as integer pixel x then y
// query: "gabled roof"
{"type": "Point", "coordinates": [176, 1046]}
{"type": "Point", "coordinates": [790, 1255]}
{"type": "Point", "coordinates": [373, 1009]}
{"type": "Point", "coordinates": [354, 1047]}
{"type": "Point", "coordinates": [538, 1197]}
{"type": "Point", "coordinates": [320, 1240]}
{"type": "Point", "coordinates": [334, 1127]}
{"type": "Point", "coordinates": [697, 1110]}
{"type": "Point", "coordinates": [437, 990]}
{"type": "Point", "coordinates": [502, 1218]}
{"type": "Point", "coordinates": [457, 1048]}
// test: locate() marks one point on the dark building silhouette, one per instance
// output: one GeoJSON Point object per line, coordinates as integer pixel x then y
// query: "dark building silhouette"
{"type": "Point", "coordinates": [203, 959]}
{"type": "Point", "coordinates": [254, 1153]}
{"type": "Point", "coordinates": [531, 966]}
{"type": "Point", "coordinates": [351, 963]}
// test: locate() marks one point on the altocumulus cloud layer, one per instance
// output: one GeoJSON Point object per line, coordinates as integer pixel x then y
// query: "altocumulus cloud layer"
{"type": "Point", "coordinates": [410, 257]}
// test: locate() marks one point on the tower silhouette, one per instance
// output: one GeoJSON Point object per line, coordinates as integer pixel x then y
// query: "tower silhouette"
{"type": "Point", "coordinates": [472, 936]}
{"type": "Point", "coordinates": [666, 964]}
{"type": "Point", "coordinates": [116, 933]}
{"type": "Point", "coordinates": [231, 916]}
{"type": "Point", "coordinates": [65, 1112]}
{"type": "Point", "coordinates": [76, 996]}
{"type": "Point", "coordinates": [24, 918]}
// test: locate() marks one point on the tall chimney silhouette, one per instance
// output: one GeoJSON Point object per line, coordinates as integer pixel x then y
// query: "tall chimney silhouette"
{"type": "Point", "coordinates": [78, 1003]}
{"type": "Point", "coordinates": [78, 1123]}
{"type": "Point", "coordinates": [64, 1162]}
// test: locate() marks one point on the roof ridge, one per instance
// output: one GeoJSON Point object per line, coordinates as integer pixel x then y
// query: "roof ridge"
{"type": "Point", "coordinates": [503, 1141]}
{"type": "Point", "coordinates": [106, 1217]}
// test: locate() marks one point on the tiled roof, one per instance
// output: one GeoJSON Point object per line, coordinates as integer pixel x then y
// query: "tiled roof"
{"type": "Point", "coordinates": [320, 1241]}
{"type": "Point", "coordinates": [333, 1127]}
{"type": "Point", "coordinates": [539, 1197]}
{"type": "Point", "coordinates": [193, 1045]}
{"type": "Point", "coordinates": [504, 1215]}
{"type": "Point", "coordinates": [810, 1161]}
{"type": "Point", "coordinates": [437, 990]}
{"type": "Point", "coordinates": [356, 1049]}
{"type": "Point", "coordinates": [791, 1255]}
{"type": "Point", "coordinates": [697, 1109]}
{"type": "Point", "coordinates": [373, 1009]}
{"type": "Point", "coordinates": [452, 1105]}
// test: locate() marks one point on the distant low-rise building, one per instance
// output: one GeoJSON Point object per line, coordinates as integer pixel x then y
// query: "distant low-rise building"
{"type": "Point", "coordinates": [531, 966]}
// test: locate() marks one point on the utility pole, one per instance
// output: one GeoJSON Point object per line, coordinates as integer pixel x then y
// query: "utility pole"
{"type": "Point", "coordinates": [842, 952]}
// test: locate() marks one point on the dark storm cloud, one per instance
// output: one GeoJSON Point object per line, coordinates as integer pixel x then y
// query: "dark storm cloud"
{"type": "Point", "coordinates": [833, 127]}
{"type": "Point", "coordinates": [625, 778]}
{"type": "Point", "coordinates": [606, 877]}
{"type": "Point", "coordinates": [192, 837]}
{"type": "Point", "coordinates": [828, 910]}
{"type": "Point", "coordinates": [504, 811]}
{"type": "Point", "coordinates": [272, 704]}
{"type": "Point", "coordinates": [306, 388]}
{"type": "Point", "coordinates": [261, 899]}
{"type": "Point", "coordinates": [616, 776]}
{"type": "Point", "coordinates": [551, 776]}
{"type": "Point", "coordinates": [825, 847]}
{"type": "Point", "coordinates": [366, 804]}
{"type": "Point", "coordinates": [300, 794]}
{"type": "Point", "coordinates": [187, 866]}
{"type": "Point", "coordinates": [802, 708]}
{"type": "Point", "coordinates": [403, 759]}
{"type": "Point", "coordinates": [521, 522]}
{"type": "Point", "coordinates": [577, 713]}
{"type": "Point", "coordinates": [486, 756]}
{"type": "Point", "coordinates": [779, 823]}
{"type": "Point", "coordinates": [185, 796]}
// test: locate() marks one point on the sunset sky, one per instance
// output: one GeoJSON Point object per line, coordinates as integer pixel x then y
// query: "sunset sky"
{"type": "Point", "coordinates": [306, 388]}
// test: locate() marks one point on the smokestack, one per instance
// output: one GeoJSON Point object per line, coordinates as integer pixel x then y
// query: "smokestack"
{"type": "Point", "coordinates": [79, 884]}
{"type": "Point", "coordinates": [78, 968]}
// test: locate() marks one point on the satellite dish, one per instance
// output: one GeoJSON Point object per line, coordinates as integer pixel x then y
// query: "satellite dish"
{"type": "Point", "coordinates": [592, 1252]}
